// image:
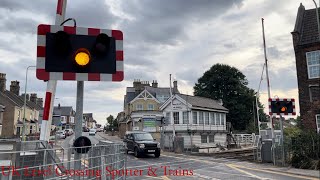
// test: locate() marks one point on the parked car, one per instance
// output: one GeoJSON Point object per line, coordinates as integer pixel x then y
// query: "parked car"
{"type": "Point", "coordinates": [60, 135]}
{"type": "Point", "coordinates": [92, 132]}
{"type": "Point", "coordinates": [68, 132]}
{"type": "Point", "coordinates": [99, 130]}
{"type": "Point", "coordinates": [141, 143]}
{"type": "Point", "coordinates": [85, 129]}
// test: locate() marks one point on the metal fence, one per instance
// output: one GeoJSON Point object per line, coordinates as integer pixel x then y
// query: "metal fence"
{"type": "Point", "coordinates": [37, 160]}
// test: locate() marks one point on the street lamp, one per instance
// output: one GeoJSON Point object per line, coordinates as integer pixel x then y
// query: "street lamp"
{"type": "Point", "coordinates": [25, 102]}
{"type": "Point", "coordinates": [317, 17]}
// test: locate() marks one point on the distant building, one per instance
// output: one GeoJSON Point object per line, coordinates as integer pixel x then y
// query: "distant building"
{"type": "Point", "coordinates": [14, 114]}
{"type": "Point", "coordinates": [201, 121]}
{"type": "Point", "coordinates": [306, 45]}
{"type": "Point", "coordinates": [63, 116]}
{"type": "Point", "coordinates": [141, 106]}
{"type": "Point", "coordinates": [88, 121]}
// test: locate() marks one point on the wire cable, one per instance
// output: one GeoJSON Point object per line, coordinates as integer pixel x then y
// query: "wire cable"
{"type": "Point", "coordinates": [74, 21]}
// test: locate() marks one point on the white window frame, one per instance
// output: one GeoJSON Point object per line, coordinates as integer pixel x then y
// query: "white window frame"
{"type": "Point", "coordinates": [175, 117]}
{"type": "Point", "coordinates": [185, 117]}
{"type": "Point", "coordinates": [201, 118]}
{"type": "Point", "coordinates": [218, 119]}
{"type": "Point", "coordinates": [203, 139]}
{"type": "Point", "coordinates": [318, 122]}
{"type": "Point", "coordinates": [314, 65]}
{"type": "Point", "coordinates": [194, 115]}
{"type": "Point", "coordinates": [137, 107]}
{"type": "Point", "coordinates": [210, 139]}
{"type": "Point", "coordinates": [223, 119]}
{"type": "Point", "coordinates": [149, 107]}
{"type": "Point", "coordinates": [206, 118]}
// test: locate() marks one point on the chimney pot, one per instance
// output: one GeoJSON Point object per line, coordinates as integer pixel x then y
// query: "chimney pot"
{"type": "Point", "coordinates": [3, 81]}
{"type": "Point", "coordinates": [15, 87]}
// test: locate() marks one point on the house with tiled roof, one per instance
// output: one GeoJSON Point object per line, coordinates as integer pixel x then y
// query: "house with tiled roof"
{"type": "Point", "coordinates": [306, 43]}
{"type": "Point", "coordinates": [200, 121]}
{"type": "Point", "coordinates": [14, 114]}
{"type": "Point", "coordinates": [141, 106]}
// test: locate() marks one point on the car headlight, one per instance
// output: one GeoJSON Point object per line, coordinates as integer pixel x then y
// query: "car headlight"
{"type": "Point", "coordinates": [158, 145]}
{"type": "Point", "coordinates": [141, 145]}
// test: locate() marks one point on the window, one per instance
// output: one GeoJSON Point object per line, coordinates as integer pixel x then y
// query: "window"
{"type": "Point", "coordinates": [223, 119]}
{"type": "Point", "coordinates": [206, 117]}
{"type": "Point", "coordinates": [212, 121]}
{"type": "Point", "coordinates": [217, 118]}
{"type": "Point", "coordinates": [18, 131]}
{"type": "Point", "coordinates": [185, 117]}
{"type": "Point", "coordinates": [204, 139]}
{"type": "Point", "coordinates": [318, 122]}
{"type": "Point", "coordinates": [211, 138]}
{"type": "Point", "coordinates": [30, 129]}
{"type": "Point", "coordinates": [201, 118]}
{"type": "Point", "coordinates": [139, 107]}
{"type": "Point", "coordinates": [176, 117]}
{"type": "Point", "coordinates": [168, 118]}
{"type": "Point", "coordinates": [150, 107]}
{"type": "Point", "coordinates": [195, 117]}
{"type": "Point", "coordinates": [313, 63]}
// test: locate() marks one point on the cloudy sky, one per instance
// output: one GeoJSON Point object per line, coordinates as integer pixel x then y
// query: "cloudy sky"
{"type": "Point", "coordinates": [161, 37]}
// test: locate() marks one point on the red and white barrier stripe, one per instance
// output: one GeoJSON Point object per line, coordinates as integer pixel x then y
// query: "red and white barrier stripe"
{"type": "Point", "coordinates": [52, 84]}
{"type": "Point", "coordinates": [282, 99]}
{"type": "Point", "coordinates": [41, 48]}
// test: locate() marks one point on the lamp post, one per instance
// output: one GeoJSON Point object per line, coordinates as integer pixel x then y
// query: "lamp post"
{"type": "Point", "coordinates": [24, 104]}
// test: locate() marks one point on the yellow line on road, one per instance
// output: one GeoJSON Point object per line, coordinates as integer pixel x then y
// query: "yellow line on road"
{"type": "Point", "coordinates": [270, 171]}
{"type": "Point", "coordinates": [153, 177]}
{"type": "Point", "coordinates": [245, 172]}
{"type": "Point", "coordinates": [165, 178]}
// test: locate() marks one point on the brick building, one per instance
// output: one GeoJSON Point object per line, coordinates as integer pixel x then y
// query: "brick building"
{"type": "Point", "coordinates": [306, 45]}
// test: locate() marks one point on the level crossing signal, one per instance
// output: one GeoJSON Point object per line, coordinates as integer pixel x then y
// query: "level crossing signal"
{"type": "Point", "coordinates": [80, 54]}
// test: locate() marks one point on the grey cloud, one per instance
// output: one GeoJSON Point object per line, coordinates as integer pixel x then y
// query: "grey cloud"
{"type": "Point", "coordinates": [273, 52]}
{"type": "Point", "coordinates": [189, 75]}
{"type": "Point", "coordinates": [164, 22]}
{"type": "Point", "coordinates": [19, 25]}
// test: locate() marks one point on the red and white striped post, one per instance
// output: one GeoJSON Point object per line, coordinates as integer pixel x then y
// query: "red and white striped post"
{"type": "Point", "coordinates": [52, 84]}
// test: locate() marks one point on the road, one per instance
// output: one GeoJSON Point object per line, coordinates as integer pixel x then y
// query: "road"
{"type": "Point", "coordinates": [170, 166]}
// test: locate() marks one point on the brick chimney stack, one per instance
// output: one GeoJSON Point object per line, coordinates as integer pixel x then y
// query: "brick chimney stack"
{"type": "Point", "coordinates": [175, 86]}
{"type": "Point", "coordinates": [155, 84]}
{"type": "Point", "coordinates": [15, 87]}
{"type": "Point", "coordinates": [33, 98]}
{"type": "Point", "coordinates": [40, 102]}
{"type": "Point", "coordinates": [3, 81]}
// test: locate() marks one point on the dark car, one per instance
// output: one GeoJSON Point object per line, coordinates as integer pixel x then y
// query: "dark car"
{"type": "Point", "coordinates": [141, 143]}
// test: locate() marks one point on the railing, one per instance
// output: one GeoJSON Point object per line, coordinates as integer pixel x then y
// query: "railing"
{"type": "Point", "coordinates": [38, 160]}
{"type": "Point", "coordinates": [246, 139]}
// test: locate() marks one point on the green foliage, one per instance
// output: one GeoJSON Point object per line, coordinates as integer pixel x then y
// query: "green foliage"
{"type": "Point", "coordinates": [305, 149]}
{"type": "Point", "coordinates": [229, 84]}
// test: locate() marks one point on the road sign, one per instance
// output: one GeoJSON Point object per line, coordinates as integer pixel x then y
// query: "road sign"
{"type": "Point", "coordinates": [79, 54]}
{"type": "Point", "coordinates": [82, 144]}
{"type": "Point", "coordinates": [282, 106]}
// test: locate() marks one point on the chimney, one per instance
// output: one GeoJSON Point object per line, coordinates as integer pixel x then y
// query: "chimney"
{"type": "Point", "coordinates": [175, 86]}
{"type": "Point", "coordinates": [15, 87]}
{"type": "Point", "coordinates": [154, 84]}
{"type": "Point", "coordinates": [3, 81]}
{"type": "Point", "coordinates": [221, 102]}
{"type": "Point", "coordinates": [40, 102]}
{"type": "Point", "coordinates": [137, 85]}
{"type": "Point", "coordinates": [33, 98]}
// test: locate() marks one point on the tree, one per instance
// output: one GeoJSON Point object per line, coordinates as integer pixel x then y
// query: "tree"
{"type": "Point", "coordinates": [229, 84]}
{"type": "Point", "coordinates": [110, 120]}
{"type": "Point", "coordinates": [113, 123]}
